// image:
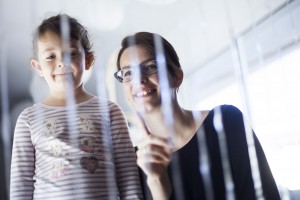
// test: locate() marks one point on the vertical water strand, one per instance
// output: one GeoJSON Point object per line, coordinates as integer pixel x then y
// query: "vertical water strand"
{"type": "Point", "coordinates": [242, 86]}
{"type": "Point", "coordinates": [258, 46]}
{"type": "Point", "coordinates": [72, 128]}
{"type": "Point", "coordinates": [105, 129]}
{"type": "Point", "coordinates": [218, 124]}
{"type": "Point", "coordinates": [136, 81]}
{"type": "Point", "coordinates": [204, 166]}
{"type": "Point", "coordinates": [163, 81]}
{"type": "Point", "coordinates": [137, 73]}
{"type": "Point", "coordinates": [65, 37]}
{"type": "Point", "coordinates": [204, 161]}
{"type": "Point", "coordinates": [133, 55]}
{"type": "Point", "coordinates": [5, 137]}
{"type": "Point", "coordinates": [70, 101]}
{"type": "Point", "coordinates": [167, 106]}
{"type": "Point", "coordinates": [240, 74]}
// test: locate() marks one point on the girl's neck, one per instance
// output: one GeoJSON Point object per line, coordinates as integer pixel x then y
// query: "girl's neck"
{"type": "Point", "coordinates": [61, 98]}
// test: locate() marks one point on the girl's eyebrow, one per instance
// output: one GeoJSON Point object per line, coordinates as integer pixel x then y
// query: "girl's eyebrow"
{"type": "Point", "coordinates": [47, 49]}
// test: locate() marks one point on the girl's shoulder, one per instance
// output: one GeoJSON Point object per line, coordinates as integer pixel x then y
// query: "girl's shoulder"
{"type": "Point", "coordinates": [111, 105]}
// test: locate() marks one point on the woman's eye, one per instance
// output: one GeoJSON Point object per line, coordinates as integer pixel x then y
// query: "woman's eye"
{"type": "Point", "coordinates": [150, 67]}
{"type": "Point", "coordinates": [128, 73]}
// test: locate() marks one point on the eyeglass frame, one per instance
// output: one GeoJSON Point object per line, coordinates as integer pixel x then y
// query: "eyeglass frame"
{"type": "Point", "coordinates": [141, 65]}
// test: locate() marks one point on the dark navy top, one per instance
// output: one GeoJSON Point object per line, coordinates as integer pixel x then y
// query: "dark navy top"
{"type": "Point", "coordinates": [186, 179]}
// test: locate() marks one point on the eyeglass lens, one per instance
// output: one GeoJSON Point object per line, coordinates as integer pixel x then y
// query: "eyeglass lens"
{"type": "Point", "coordinates": [128, 74]}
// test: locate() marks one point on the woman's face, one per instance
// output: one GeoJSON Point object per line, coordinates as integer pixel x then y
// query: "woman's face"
{"type": "Point", "coordinates": [143, 91]}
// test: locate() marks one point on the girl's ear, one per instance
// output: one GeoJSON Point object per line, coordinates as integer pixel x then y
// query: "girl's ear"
{"type": "Point", "coordinates": [37, 67]}
{"type": "Point", "coordinates": [89, 61]}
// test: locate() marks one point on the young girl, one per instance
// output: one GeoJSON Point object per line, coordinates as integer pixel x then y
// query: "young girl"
{"type": "Point", "coordinates": [191, 166]}
{"type": "Point", "coordinates": [72, 145]}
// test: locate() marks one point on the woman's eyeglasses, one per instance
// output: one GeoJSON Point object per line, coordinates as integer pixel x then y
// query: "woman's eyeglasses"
{"type": "Point", "coordinates": [127, 74]}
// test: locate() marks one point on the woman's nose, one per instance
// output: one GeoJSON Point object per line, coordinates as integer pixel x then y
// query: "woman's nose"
{"type": "Point", "coordinates": [139, 78]}
{"type": "Point", "coordinates": [143, 78]}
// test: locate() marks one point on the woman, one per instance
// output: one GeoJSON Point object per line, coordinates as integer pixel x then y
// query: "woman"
{"type": "Point", "coordinates": [174, 156]}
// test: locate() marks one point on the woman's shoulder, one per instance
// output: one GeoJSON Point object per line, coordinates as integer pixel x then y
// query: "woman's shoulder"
{"type": "Point", "coordinates": [226, 110]}
{"type": "Point", "coordinates": [229, 116]}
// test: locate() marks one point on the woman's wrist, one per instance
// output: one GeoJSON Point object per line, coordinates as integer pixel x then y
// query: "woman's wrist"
{"type": "Point", "coordinates": [160, 186]}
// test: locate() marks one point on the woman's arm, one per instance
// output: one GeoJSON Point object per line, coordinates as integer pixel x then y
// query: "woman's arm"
{"type": "Point", "coordinates": [153, 157]}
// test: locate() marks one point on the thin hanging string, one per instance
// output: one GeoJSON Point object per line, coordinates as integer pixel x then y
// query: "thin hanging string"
{"type": "Point", "coordinates": [240, 73]}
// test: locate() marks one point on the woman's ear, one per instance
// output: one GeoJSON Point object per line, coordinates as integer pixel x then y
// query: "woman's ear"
{"type": "Point", "coordinates": [178, 78]}
{"type": "Point", "coordinates": [37, 67]}
{"type": "Point", "coordinates": [89, 61]}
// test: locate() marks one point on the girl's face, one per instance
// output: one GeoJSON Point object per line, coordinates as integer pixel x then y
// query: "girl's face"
{"type": "Point", "coordinates": [50, 62]}
{"type": "Point", "coordinates": [143, 91]}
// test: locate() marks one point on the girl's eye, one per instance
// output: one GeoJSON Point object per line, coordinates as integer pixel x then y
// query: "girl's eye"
{"type": "Point", "coordinates": [50, 57]}
{"type": "Point", "coordinates": [71, 54]}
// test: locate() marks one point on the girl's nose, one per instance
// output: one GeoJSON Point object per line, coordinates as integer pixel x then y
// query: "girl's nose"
{"type": "Point", "coordinates": [60, 64]}
{"type": "Point", "coordinates": [63, 60]}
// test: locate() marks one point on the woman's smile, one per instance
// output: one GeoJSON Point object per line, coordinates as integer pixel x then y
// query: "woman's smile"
{"type": "Point", "coordinates": [144, 93]}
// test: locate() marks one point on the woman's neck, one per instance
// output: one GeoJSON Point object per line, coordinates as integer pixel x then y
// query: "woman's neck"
{"type": "Point", "coordinates": [180, 126]}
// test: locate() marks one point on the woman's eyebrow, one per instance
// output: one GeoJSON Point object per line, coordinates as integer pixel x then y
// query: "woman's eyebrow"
{"type": "Point", "coordinates": [143, 62]}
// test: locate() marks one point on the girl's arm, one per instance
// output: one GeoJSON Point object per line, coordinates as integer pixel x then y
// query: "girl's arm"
{"type": "Point", "coordinates": [127, 176]}
{"type": "Point", "coordinates": [23, 161]}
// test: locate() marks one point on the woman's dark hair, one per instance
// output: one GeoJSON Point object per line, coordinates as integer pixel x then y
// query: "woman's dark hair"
{"type": "Point", "coordinates": [146, 40]}
{"type": "Point", "coordinates": [54, 25]}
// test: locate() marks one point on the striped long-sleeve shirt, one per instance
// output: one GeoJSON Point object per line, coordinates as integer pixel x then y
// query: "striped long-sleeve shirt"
{"type": "Point", "coordinates": [79, 152]}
